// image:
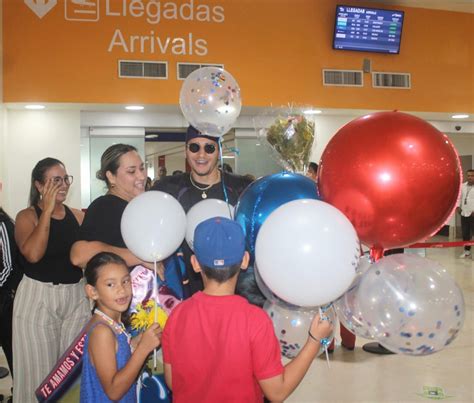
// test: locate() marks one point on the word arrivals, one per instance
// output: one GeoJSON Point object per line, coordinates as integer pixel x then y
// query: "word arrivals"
{"type": "Point", "coordinates": [155, 44]}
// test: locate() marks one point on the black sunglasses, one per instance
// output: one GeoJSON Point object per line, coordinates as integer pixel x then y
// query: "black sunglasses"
{"type": "Point", "coordinates": [208, 148]}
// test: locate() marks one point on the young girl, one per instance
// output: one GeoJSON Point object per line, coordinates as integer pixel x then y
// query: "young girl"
{"type": "Point", "coordinates": [109, 368]}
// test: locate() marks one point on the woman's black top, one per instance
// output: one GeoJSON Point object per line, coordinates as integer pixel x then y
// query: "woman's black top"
{"type": "Point", "coordinates": [102, 221]}
{"type": "Point", "coordinates": [55, 266]}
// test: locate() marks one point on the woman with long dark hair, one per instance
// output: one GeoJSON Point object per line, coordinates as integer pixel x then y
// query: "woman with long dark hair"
{"type": "Point", "coordinates": [50, 307]}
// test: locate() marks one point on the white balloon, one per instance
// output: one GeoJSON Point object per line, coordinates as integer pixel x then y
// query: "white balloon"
{"type": "Point", "coordinates": [153, 225]}
{"type": "Point", "coordinates": [307, 252]}
{"type": "Point", "coordinates": [202, 211]}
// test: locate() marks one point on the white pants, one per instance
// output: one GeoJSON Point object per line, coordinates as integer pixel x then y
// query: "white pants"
{"type": "Point", "coordinates": [46, 319]}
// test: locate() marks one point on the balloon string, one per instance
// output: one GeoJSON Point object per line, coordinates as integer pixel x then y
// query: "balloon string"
{"type": "Point", "coordinates": [322, 316]}
{"type": "Point", "coordinates": [155, 291]}
{"type": "Point", "coordinates": [224, 190]}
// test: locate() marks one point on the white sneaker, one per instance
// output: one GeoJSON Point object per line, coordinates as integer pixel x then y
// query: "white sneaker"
{"type": "Point", "coordinates": [466, 253]}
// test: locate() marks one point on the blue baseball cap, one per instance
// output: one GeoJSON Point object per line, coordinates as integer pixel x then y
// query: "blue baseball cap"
{"type": "Point", "coordinates": [219, 242]}
{"type": "Point", "coordinates": [192, 133]}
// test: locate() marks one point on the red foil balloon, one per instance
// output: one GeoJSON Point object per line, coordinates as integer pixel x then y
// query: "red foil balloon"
{"type": "Point", "coordinates": [396, 177]}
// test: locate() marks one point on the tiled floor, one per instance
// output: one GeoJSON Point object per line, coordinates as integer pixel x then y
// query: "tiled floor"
{"type": "Point", "coordinates": [357, 376]}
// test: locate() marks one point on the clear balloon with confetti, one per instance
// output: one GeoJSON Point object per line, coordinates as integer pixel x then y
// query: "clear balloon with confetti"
{"type": "Point", "coordinates": [411, 304]}
{"type": "Point", "coordinates": [291, 325]}
{"type": "Point", "coordinates": [210, 100]}
{"type": "Point", "coordinates": [347, 306]}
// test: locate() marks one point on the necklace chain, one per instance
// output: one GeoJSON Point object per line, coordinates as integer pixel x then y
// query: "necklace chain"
{"type": "Point", "coordinates": [197, 187]}
{"type": "Point", "coordinates": [119, 327]}
{"type": "Point", "coordinates": [203, 190]}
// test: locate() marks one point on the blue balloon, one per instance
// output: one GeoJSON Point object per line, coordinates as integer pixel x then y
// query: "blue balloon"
{"type": "Point", "coordinates": [264, 196]}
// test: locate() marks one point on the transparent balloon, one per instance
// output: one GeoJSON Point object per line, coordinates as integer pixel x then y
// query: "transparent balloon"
{"type": "Point", "coordinates": [411, 304]}
{"type": "Point", "coordinates": [292, 324]}
{"type": "Point", "coordinates": [203, 210]}
{"type": "Point", "coordinates": [289, 134]}
{"type": "Point", "coordinates": [210, 100]}
{"type": "Point", "coordinates": [347, 307]}
{"type": "Point", "coordinates": [153, 225]}
{"type": "Point", "coordinates": [307, 252]}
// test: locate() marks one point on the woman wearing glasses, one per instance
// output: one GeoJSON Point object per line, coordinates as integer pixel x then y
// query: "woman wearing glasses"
{"type": "Point", "coordinates": [50, 307]}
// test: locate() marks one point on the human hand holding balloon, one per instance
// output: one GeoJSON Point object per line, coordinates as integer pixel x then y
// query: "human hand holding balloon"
{"type": "Point", "coordinates": [291, 325]}
{"type": "Point", "coordinates": [320, 330]}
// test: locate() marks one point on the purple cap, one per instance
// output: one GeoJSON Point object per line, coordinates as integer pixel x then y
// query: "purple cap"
{"type": "Point", "coordinates": [193, 133]}
{"type": "Point", "coordinates": [219, 242]}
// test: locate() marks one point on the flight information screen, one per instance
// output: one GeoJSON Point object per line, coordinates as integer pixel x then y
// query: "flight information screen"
{"type": "Point", "coordinates": [368, 29]}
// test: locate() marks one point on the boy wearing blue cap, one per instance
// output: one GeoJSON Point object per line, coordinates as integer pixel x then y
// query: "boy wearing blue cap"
{"type": "Point", "coordinates": [218, 347]}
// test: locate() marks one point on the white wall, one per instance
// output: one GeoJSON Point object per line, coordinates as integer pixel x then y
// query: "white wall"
{"type": "Point", "coordinates": [327, 126]}
{"type": "Point", "coordinates": [31, 136]}
{"type": "Point", "coordinates": [464, 143]}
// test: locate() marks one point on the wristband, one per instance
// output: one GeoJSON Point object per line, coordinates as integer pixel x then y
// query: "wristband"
{"type": "Point", "coordinates": [325, 342]}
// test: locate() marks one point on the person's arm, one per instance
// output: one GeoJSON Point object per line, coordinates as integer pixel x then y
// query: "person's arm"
{"type": "Point", "coordinates": [459, 204]}
{"type": "Point", "coordinates": [279, 387]}
{"type": "Point", "coordinates": [83, 251]}
{"type": "Point", "coordinates": [166, 349]}
{"type": "Point", "coordinates": [32, 235]}
{"type": "Point", "coordinates": [102, 349]}
{"type": "Point", "coordinates": [168, 378]}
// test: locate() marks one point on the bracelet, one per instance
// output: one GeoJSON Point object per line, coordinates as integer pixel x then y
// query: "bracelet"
{"type": "Point", "coordinates": [324, 342]}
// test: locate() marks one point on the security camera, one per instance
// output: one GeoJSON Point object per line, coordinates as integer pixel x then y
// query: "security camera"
{"type": "Point", "coordinates": [457, 127]}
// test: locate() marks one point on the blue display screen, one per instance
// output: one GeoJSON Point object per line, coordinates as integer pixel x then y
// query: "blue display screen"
{"type": "Point", "coordinates": [368, 29]}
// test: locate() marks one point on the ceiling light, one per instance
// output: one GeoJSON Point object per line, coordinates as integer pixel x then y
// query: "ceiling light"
{"type": "Point", "coordinates": [312, 112]}
{"type": "Point", "coordinates": [134, 107]}
{"type": "Point", "coordinates": [34, 107]}
{"type": "Point", "coordinates": [151, 136]}
{"type": "Point", "coordinates": [460, 116]}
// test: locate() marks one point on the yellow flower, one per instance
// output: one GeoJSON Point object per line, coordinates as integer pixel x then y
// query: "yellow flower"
{"type": "Point", "coordinates": [144, 317]}
{"type": "Point", "coordinates": [139, 320]}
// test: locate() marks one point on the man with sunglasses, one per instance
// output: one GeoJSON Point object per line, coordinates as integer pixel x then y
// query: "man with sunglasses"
{"type": "Point", "coordinates": [205, 180]}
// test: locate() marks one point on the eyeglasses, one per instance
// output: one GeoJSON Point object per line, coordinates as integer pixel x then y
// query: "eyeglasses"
{"type": "Point", "coordinates": [67, 179]}
{"type": "Point", "coordinates": [208, 148]}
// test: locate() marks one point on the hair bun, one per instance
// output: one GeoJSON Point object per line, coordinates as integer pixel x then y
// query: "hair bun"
{"type": "Point", "coordinates": [99, 175]}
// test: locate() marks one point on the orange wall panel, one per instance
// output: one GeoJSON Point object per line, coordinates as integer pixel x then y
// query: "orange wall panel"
{"type": "Point", "coordinates": [275, 49]}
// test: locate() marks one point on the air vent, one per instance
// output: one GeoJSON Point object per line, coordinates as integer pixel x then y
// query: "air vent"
{"type": "Point", "coordinates": [344, 78]}
{"type": "Point", "coordinates": [143, 69]}
{"type": "Point", "coordinates": [185, 69]}
{"type": "Point", "coordinates": [391, 80]}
